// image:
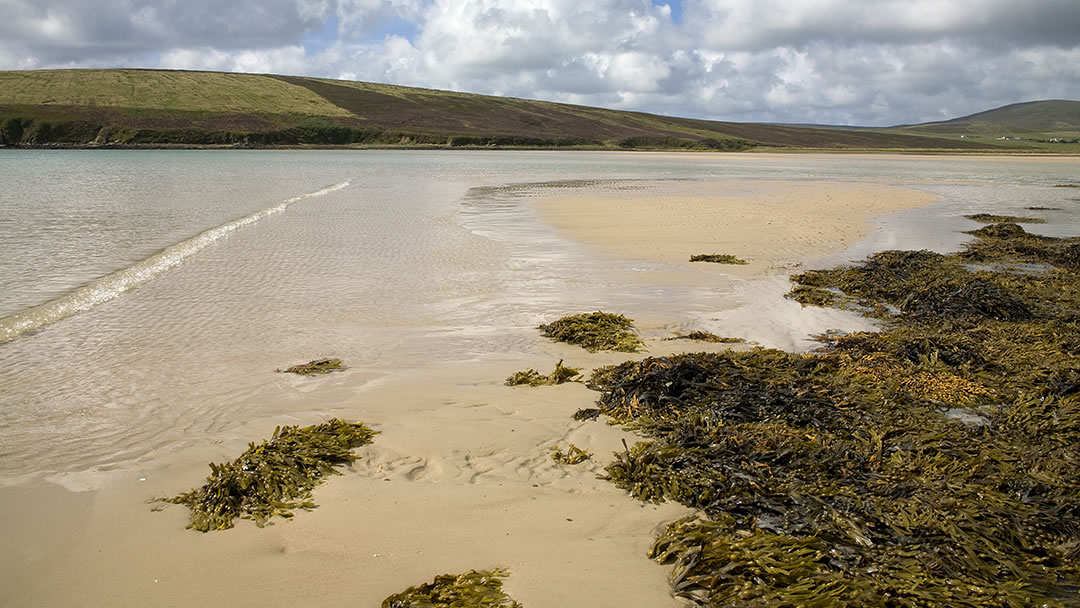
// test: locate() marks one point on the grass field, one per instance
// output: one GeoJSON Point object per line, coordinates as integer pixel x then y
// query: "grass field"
{"type": "Point", "coordinates": [160, 107]}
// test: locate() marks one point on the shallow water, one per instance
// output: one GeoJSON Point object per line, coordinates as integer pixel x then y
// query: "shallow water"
{"type": "Point", "coordinates": [201, 272]}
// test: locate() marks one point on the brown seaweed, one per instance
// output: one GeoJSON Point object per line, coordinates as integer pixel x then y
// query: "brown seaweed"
{"type": "Point", "coordinates": [595, 331]}
{"type": "Point", "coordinates": [706, 336]}
{"type": "Point", "coordinates": [531, 377]}
{"type": "Point", "coordinates": [316, 367]}
{"type": "Point", "coordinates": [989, 218]}
{"type": "Point", "coordinates": [932, 463]}
{"type": "Point", "coordinates": [473, 589]}
{"type": "Point", "coordinates": [572, 455]}
{"type": "Point", "coordinates": [718, 258]}
{"type": "Point", "coordinates": [274, 477]}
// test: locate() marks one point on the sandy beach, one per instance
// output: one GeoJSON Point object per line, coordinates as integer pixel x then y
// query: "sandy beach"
{"type": "Point", "coordinates": [460, 475]}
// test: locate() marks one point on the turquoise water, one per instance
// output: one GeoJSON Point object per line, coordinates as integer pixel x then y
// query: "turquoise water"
{"type": "Point", "coordinates": [146, 297]}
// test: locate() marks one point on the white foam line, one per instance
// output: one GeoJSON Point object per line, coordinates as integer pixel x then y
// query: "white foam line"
{"type": "Point", "coordinates": [112, 285]}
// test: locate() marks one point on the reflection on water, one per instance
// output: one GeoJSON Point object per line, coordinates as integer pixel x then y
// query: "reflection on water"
{"type": "Point", "coordinates": [424, 257]}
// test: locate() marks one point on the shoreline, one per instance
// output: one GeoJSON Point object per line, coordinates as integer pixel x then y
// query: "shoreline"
{"type": "Point", "coordinates": [460, 477]}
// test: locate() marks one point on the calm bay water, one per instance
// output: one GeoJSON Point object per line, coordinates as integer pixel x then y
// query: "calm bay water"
{"type": "Point", "coordinates": [146, 298]}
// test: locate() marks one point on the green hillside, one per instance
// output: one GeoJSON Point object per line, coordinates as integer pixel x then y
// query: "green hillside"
{"type": "Point", "coordinates": [162, 107]}
{"type": "Point", "coordinates": [1029, 124]}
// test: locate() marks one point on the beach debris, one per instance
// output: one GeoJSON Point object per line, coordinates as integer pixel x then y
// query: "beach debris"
{"type": "Point", "coordinates": [706, 336]}
{"type": "Point", "coordinates": [987, 218]}
{"type": "Point", "coordinates": [475, 588]}
{"type": "Point", "coordinates": [718, 258]}
{"type": "Point", "coordinates": [274, 477]}
{"type": "Point", "coordinates": [572, 455]}
{"type": "Point", "coordinates": [1043, 208]}
{"type": "Point", "coordinates": [1067, 185]}
{"type": "Point", "coordinates": [595, 331]}
{"type": "Point", "coordinates": [531, 377]}
{"type": "Point", "coordinates": [316, 367]}
{"type": "Point", "coordinates": [931, 463]}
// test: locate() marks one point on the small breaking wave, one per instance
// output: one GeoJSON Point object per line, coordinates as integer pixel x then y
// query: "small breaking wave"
{"type": "Point", "coordinates": [112, 285]}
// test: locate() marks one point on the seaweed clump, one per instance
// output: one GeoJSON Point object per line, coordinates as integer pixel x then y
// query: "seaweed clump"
{"type": "Point", "coordinates": [706, 336]}
{"type": "Point", "coordinates": [932, 463]}
{"type": "Point", "coordinates": [531, 377]}
{"type": "Point", "coordinates": [572, 455]}
{"type": "Point", "coordinates": [473, 588]}
{"type": "Point", "coordinates": [718, 258]}
{"type": "Point", "coordinates": [989, 218]}
{"type": "Point", "coordinates": [316, 367]}
{"type": "Point", "coordinates": [274, 477]}
{"type": "Point", "coordinates": [595, 331]}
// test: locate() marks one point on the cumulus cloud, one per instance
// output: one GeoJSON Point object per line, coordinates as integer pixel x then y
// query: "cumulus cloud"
{"type": "Point", "coordinates": [811, 61]}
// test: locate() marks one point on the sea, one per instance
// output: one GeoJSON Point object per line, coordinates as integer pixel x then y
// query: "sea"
{"type": "Point", "coordinates": [149, 298]}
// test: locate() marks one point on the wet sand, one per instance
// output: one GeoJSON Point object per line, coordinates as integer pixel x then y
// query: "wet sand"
{"type": "Point", "coordinates": [460, 475]}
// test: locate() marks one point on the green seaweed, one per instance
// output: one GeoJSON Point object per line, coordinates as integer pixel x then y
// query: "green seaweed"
{"type": "Point", "coordinates": [988, 218]}
{"type": "Point", "coordinates": [531, 377]}
{"type": "Point", "coordinates": [595, 331]}
{"type": "Point", "coordinates": [274, 477]}
{"type": "Point", "coordinates": [705, 336]}
{"type": "Point", "coordinates": [931, 463]}
{"type": "Point", "coordinates": [718, 258]}
{"type": "Point", "coordinates": [473, 589]}
{"type": "Point", "coordinates": [316, 367]}
{"type": "Point", "coordinates": [572, 455]}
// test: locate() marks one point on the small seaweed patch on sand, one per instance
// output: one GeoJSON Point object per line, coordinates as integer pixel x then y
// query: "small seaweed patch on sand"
{"type": "Point", "coordinates": [316, 367]}
{"type": "Point", "coordinates": [274, 477]}
{"type": "Point", "coordinates": [1043, 208]}
{"type": "Point", "coordinates": [705, 336]}
{"type": "Point", "coordinates": [531, 377]}
{"type": "Point", "coordinates": [988, 218]}
{"type": "Point", "coordinates": [475, 588]}
{"type": "Point", "coordinates": [572, 455]}
{"type": "Point", "coordinates": [718, 258]}
{"type": "Point", "coordinates": [932, 463]}
{"type": "Point", "coordinates": [1067, 185]}
{"type": "Point", "coordinates": [595, 331]}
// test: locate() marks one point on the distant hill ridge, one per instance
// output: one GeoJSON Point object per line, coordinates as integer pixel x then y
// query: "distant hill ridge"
{"type": "Point", "coordinates": [1056, 116]}
{"type": "Point", "coordinates": [136, 107]}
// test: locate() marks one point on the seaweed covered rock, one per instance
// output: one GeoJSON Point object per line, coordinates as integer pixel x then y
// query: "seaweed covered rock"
{"type": "Point", "coordinates": [932, 463]}
{"type": "Point", "coordinates": [274, 477]}
{"type": "Point", "coordinates": [595, 331]}
{"type": "Point", "coordinates": [989, 218]}
{"type": "Point", "coordinates": [475, 588]}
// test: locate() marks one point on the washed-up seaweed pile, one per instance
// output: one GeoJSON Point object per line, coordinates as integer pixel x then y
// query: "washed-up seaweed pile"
{"type": "Point", "coordinates": [933, 463]}
{"type": "Point", "coordinates": [317, 367]}
{"type": "Point", "coordinates": [475, 588]}
{"type": "Point", "coordinates": [531, 377]}
{"type": "Point", "coordinates": [706, 336]}
{"type": "Point", "coordinates": [718, 258]}
{"type": "Point", "coordinates": [595, 331]}
{"type": "Point", "coordinates": [274, 477]}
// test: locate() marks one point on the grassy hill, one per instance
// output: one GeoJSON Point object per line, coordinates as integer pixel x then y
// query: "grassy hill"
{"type": "Point", "coordinates": [1028, 124]}
{"type": "Point", "coordinates": [163, 107]}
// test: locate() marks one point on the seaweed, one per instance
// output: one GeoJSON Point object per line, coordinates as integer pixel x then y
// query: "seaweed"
{"type": "Point", "coordinates": [316, 367]}
{"type": "Point", "coordinates": [931, 463]}
{"type": "Point", "coordinates": [1043, 208]}
{"type": "Point", "coordinates": [595, 331]}
{"type": "Point", "coordinates": [1067, 185]}
{"type": "Point", "coordinates": [988, 218]}
{"type": "Point", "coordinates": [705, 336]}
{"type": "Point", "coordinates": [475, 588]}
{"type": "Point", "coordinates": [531, 377]}
{"type": "Point", "coordinates": [572, 455]}
{"type": "Point", "coordinates": [274, 477]}
{"type": "Point", "coordinates": [718, 258]}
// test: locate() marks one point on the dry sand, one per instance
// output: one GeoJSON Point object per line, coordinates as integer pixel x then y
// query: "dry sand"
{"type": "Point", "coordinates": [460, 476]}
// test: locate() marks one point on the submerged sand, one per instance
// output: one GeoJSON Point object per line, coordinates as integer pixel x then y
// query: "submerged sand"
{"type": "Point", "coordinates": [460, 476]}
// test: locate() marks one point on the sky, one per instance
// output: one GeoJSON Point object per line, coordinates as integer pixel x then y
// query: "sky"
{"type": "Point", "coordinates": [849, 62]}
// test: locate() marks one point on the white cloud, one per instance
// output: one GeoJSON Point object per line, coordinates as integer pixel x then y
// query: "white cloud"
{"type": "Point", "coordinates": [847, 61]}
